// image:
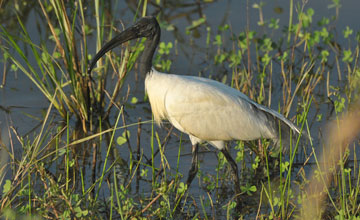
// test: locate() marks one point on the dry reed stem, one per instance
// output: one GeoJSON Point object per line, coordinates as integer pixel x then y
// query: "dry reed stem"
{"type": "Point", "coordinates": [341, 134]}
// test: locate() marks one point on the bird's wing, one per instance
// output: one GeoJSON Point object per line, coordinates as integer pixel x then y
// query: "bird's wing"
{"type": "Point", "coordinates": [212, 111]}
{"type": "Point", "coordinates": [263, 108]}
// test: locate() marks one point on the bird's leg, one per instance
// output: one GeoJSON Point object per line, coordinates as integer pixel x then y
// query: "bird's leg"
{"type": "Point", "coordinates": [234, 169]}
{"type": "Point", "coordinates": [194, 164]}
{"type": "Point", "coordinates": [192, 173]}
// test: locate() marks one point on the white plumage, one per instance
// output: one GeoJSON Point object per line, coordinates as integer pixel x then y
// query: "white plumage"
{"type": "Point", "coordinates": [208, 110]}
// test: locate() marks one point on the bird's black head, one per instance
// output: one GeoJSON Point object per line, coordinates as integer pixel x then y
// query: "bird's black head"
{"type": "Point", "coordinates": [145, 27]}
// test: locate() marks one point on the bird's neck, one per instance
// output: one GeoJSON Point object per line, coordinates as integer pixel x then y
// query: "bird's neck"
{"type": "Point", "coordinates": [146, 59]}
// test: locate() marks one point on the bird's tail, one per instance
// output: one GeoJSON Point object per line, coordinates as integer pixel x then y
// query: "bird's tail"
{"type": "Point", "coordinates": [287, 136]}
{"type": "Point", "coordinates": [285, 132]}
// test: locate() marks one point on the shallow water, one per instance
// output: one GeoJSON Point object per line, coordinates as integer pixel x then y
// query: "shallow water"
{"type": "Point", "coordinates": [23, 106]}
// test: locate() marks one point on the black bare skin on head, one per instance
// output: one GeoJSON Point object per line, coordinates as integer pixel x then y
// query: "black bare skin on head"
{"type": "Point", "coordinates": [145, 27]}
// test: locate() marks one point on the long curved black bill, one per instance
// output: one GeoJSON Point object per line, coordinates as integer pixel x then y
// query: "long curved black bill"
{"type": "Point", "coordinates": [128, 34]}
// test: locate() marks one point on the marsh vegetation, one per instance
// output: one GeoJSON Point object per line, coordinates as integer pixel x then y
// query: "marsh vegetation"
{"type": "Point", "coordinates": [85, 146]}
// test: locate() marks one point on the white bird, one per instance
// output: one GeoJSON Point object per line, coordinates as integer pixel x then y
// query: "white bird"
{"type": "Point", "coordinates": [206, 110]}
